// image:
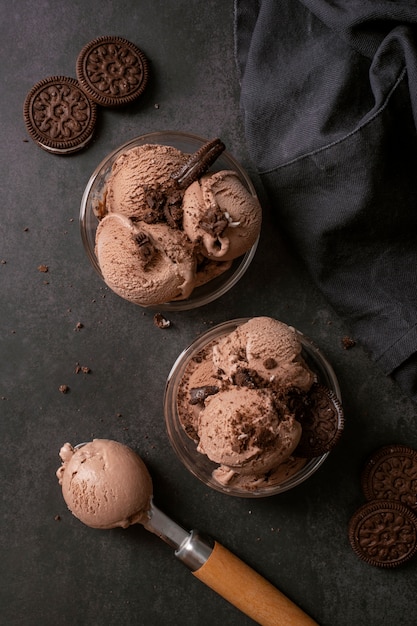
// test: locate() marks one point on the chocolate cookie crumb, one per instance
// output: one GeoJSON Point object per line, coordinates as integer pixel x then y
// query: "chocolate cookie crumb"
{"type": "Point", "coordinates": [160, 321]}
{"type": "Point", "coordinates": [247, 377]}
{"type": "Point", "coordinates": [199, 394]}
{"type": "Point", "coordinates": [348, 343]}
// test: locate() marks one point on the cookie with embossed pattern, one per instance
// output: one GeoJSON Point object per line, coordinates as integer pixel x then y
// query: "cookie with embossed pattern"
{"type": "Point", "coordinates": [112, 71]}
{"type": "Point", "coordinates": [383, 533]}
{"type": "Point", "coordinates": [391, 474]}
{"type": "Point", "coordinates": [320, 414]}
{"type": "Point", "coordinates": [59, 116]}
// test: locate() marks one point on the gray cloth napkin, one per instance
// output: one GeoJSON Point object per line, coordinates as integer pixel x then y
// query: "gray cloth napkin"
{"type": "Point", "coordinates": [329, 97]}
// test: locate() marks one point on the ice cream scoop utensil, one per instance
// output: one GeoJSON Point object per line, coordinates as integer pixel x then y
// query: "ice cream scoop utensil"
{"type": "Point", "coordinates": [226, 574]}
{"type": "Point", "coordinates": [223, 572]}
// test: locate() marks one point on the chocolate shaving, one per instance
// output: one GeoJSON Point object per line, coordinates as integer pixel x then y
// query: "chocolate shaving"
{"type": "Point", "coordinates": [199, 394]}
{"type": "Point", "coordinates": [198, 163]}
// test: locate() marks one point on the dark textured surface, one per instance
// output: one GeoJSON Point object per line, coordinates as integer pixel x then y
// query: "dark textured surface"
{"type": "Point", "coordinates": [57, 571]}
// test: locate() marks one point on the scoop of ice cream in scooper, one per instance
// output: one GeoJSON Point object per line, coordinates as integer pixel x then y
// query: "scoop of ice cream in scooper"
{"type": "Point", "coordinates": [106, 484]}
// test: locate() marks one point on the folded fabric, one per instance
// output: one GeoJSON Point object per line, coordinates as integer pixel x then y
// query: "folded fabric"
{"type": "Point", "coordinates": [329, 98]}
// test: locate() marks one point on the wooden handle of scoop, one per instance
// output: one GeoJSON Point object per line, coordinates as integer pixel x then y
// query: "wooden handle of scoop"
{"type": "Point", "coordinates": [248, 591]}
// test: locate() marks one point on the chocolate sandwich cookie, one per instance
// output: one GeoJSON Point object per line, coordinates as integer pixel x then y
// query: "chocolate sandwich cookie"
{"type": "Point", "coordinates": [58, 115]}
{"type": "Point", "coordinates": [391, 474]}
{"type": "Point", "coordinates": [198, 163]}
{"type": "Point", "coordinates": [383, 533]}
{"type": "Point", "coordinates": [321, 417]}
{"type": "Point", "coordinates": [112, 71]}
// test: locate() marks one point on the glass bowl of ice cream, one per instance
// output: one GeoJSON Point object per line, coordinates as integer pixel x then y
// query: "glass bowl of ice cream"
{"type": "Point", "coordinates": [252, 407]}
{"type": "Point", "coordinates": [170, 220]}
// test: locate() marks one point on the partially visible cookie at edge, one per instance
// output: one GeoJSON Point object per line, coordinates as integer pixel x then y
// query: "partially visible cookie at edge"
{"type": "Point", "coordinates": [383, 533]}
{"type": "Point", "coordinates": [390, 473]}
{"type": "Point", "coordinates": [112, 71]}
{"type": "Point", "coordinates": [58, 115]}
{"type": "Point", "coordinates": [322, 421]}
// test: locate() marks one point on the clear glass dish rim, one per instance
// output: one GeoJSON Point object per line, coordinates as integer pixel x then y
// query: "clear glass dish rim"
{"type": "Point", "coordinates": [177, 434]}
{"type": "Point", "coordinates": [241, 264]}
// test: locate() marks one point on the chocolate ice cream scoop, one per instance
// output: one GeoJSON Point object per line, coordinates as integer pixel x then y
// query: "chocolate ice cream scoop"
{"type": "Point", "coordinates": [145, 263]}
{"type": "Point", "coordinates": [220, 212]}
{"type": "Point", "coordinates": [242, 430]}
{"type": "Point", "coordinates": [269, 347]}
{"type": "Point", "coordinates": [106, 485]}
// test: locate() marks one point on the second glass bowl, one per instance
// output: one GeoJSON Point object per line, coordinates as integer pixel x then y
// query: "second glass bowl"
{"type": "Point", "coordinates": [186, 449]}
{"type": "Point", "coordinates": [95, 191]}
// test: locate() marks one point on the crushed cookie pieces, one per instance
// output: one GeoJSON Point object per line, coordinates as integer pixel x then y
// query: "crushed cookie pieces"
{"type": "Point", "coordinates": [199, 394]}
{"type": "Point", "coordinates": [160, 321]}
{"type": "Point", "coordinates": [348, 342]}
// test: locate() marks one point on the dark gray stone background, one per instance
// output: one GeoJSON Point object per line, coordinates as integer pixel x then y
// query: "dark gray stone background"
{"type": "Point", "coordinates": [54, 570]}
